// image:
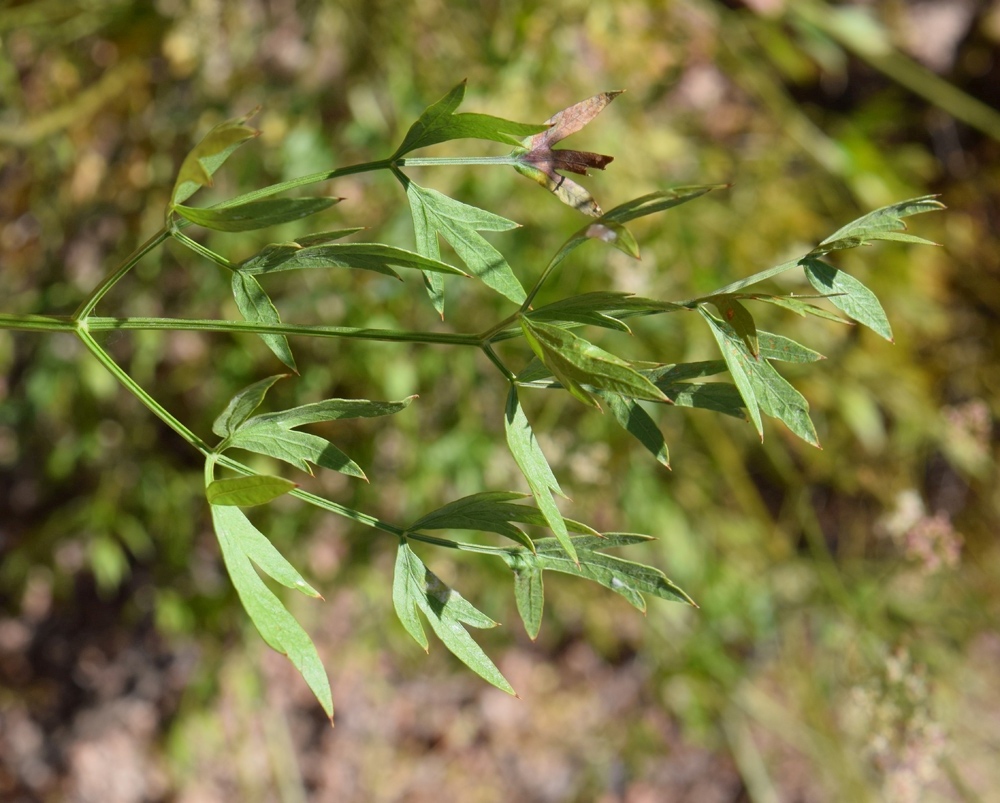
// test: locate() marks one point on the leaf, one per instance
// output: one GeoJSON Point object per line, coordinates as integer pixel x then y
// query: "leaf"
{"type": "Point", "coordinates": [537, 159]}
{"type": "Point", "coordinates": [624, 577]}
{"type": "Point", "coordinates": [209, 155]}
{"type": "Point", "coordinates": [242, 405]}
{"type": "Point", "coordinates": [254, 214]}
{"type": "Point", "coordinates": [779, 347]}
{"type": "Point", "coordinates": [271, 433]}
{"type": "Point", "coordinates": [256, 546]}
{"type": "Point", "coordinates": [766, 388]}
{"type": "Point", "coordinates": [737, 360]}
{"type": "Point", "coordinates": [740, 319]}
{"type": "Point", "coordinates": [657, 202]}
{"type": "Point", "coordinates": [719, 397]}
{"type": "Point", "coordinates": [799, 307]}
{"type": "Point", "coordinates": [436, 214]}
{"type": "Point", "coordinates": [490, 511]}
{"type": "Point", "coordinates": [600, 309]}
{"type": "Point", "coordinates": [576, 362]}
{"type": "Point", "coordinates": [637, 423]}
{"type": "Point", "coordinates": [529, 594]}
{"type": "Point", "coordinates": [882, 224]}
{"type": "Point", "coordinates": [535, 468]}
{"type": "Point", "coordinates": [852, 297]}
{"type": "Point", "coordinates": [614, 234]}
{"type": "Point", "coordinates": [417, 588]}
{"type": "Point", "coordinates": [274, 623]}
{"type": "Point", "coordinates": [257, 489]}
{"type": "Point", "coordinates": [256, 306]}
{"type": "Point", "coordinates": [363, 256]}
{"type": "Point", "coordinates": [439, 123]}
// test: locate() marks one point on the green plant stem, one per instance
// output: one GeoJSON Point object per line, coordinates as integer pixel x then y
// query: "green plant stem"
{"type": "Point", "coordinates": [488, 351]}
{"type": "Point", "coordinates": [365, 167]}
{"type": "Point", "coordinates": [37, 323]}
{"type": "Point", "coordinates": [101, 290]}
{"type": "Point", "coordinates": [139, 392]}
{"type": "Point", "coordinates": [198, 248]}
{"type": "Point", "coordinates": [305, 330]}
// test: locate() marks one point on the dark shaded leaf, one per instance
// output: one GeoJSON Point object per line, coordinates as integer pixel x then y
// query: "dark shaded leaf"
{"type": "Point", "coordinates": [363, 256]}
{"type": "Point", "coordinates": [256, 307]}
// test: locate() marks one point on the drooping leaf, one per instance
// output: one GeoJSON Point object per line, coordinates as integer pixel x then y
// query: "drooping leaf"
{"type": "Point", "coordinates": [738, 361]}
{"type": "Point", "coordinates": [882, 224]}
{"type": "Point", "coordinates": [852, 296]}
{"type": "Point", "coordinates": [535, 468]}
{"type": "Point", "coordinates": [490, 511]}
{"type": "Point", "coordinates": [740, 319]}
{"type": "Point", "coordinates": [529, 594]}
{"type": "Point", "coordinates": [624, 577]}
{"type": "Point", "coordinates": [436, 214]}
{"type": "Point", "coordinates": [242, 405]}
{"type": "Point", "coordinates": [362, 256]}
{"type": "Point", "coordinates": [274, 623]}
{"type": "Point", "coordinates": [766, 388]}
{"type": "Point", "coordinates": [256, 546]}
{"type": "Point", "coordinates": [209, 155]}
{"type": "Point", "coordinates": [257, 489]}
{"type": "Point", "coordinates": [272, 434]}
{"type": "Point", "coordinates": [799, 307]}
{"type": "Point", "coordinates": [256, 307]}
{"type": "Point", "coordinates": [719, 397]}
{"type": "Point", "coordinates": [254, 214]}
{"type": "Point", "coordinates": [439, 123]}
{"type": "Point", "coordinates": [538, 160]}
{"type": "Point", "coordinates": [417, 588]}
{"type": "Point", "coordinates": [576, 362]}
{"type": "Point", "coordinates": [637, 423]}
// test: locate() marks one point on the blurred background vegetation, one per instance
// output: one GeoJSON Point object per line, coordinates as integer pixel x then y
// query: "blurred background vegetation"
{"type": "Point", "coordinates": [846, 647]}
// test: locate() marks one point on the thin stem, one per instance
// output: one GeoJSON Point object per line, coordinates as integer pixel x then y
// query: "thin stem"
{"type": "Point", "coordinates": [198, 248]}
{"type": "Point", "coordinates": [561, 254]}
{"type": "Point", "coordinates": [37, 323]}
{"type": "Point", "coordinates": [488, 351]}
{"type": "Point", "coordinates": [304, 330]}
{"type": "Point", "coordinates": [136, 390]}
{"type": "Point", "coordinates": [92, 300]}
{"type": "Point", "coordinates": [302, 181]}
{"type": "Point", "coordinates": [442, 161]}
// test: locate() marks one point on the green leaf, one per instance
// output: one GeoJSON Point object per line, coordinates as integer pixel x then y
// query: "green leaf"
{"type": "Point", "coordinates": [852, 297]}
{"type": "Point", "coordinates": [434, 213]}
{"type": "Point", "coordinates": [256, 307]}
{"type": "Point", "coordinates": [529, 594]}
{"type": "Point", "coordinates": [765, 386]}
{"type": "Point", "coordinates": [274, 623]}
{"type": "Point", "coordinates": [657, 202]}
{"type": "Point", "coordinates": [254, 214]}
{"type": "Point", "coordinates": [637, 423]}
{"type": "Point", "coordinates": [779, 347]}
{"type": "Point", "coordinates": [490, 511]}
{"type": "Point", "coordinates": [666, 374]}
{"type": "Point", "coordinates": [256, 546]}
{"type": "Point", "coordinates": [576, 362]}
{"type": "Point", "coordinates": [599, 309]}
{"type": "Point", "coordinates": [882, 224]}
{"type": "Point", "coordinates": [719, 397]}
{"type": "Point", "coordinates": [209, 155]}
{"type": "Point", "coordinates": [242, 405]}
{"type": "Point", "coordinates": [257, 489]}
{"type": "Point", "coordinates": [738, 361]}
{"type": "Point", "coordinates": [439, 123]}
{"type": "Point", "coordinates": [740, 319]}
{"type": "Point", "coordinates": [271, 433]}
{"type": "Point", "coordinates": [799, 307]}
{"type": "Point", "coordinates": [624, 577]}
{"type": "Point", "coordinates": [363, 256]}
{"type": "Point", "coordinates": [297, 448]}
{"type": "Point", "coordinates": [417, 588]}
{"type": "Point", "coordinates": [535, 468]}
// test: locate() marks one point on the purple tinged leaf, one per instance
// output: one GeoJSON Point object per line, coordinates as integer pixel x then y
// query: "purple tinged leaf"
{"type": "Point", "coordinates": [538, 160]}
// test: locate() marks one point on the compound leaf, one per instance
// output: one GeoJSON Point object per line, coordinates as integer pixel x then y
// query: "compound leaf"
{"type": "Point", "coordinates": [417, 588]}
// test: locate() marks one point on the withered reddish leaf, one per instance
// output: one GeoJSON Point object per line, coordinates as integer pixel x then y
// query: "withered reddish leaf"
{"type": "Point", "coordinates": [539, 161]}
